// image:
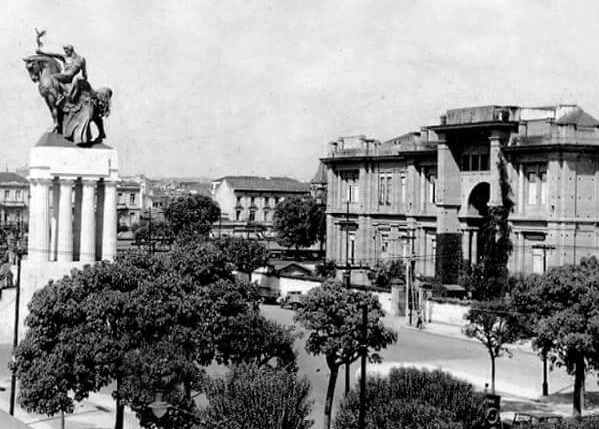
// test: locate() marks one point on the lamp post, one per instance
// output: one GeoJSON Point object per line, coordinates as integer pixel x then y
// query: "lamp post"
{"type": "Point", "coordinates": [545, 385]}
{"type": "Point", "coordinates": [15, 340]}
{"type": "Point", "coordinates": [364, 352]}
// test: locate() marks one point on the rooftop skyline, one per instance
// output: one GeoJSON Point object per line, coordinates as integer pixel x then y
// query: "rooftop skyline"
{"type": "Point", "coordinates": [208, 88]}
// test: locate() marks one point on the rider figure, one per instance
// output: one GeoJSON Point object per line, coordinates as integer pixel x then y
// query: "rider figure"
{"type": "Point", "coordinates": [74, 71]}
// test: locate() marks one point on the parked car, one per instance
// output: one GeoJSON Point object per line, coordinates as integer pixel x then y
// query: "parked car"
{"type": "Point", "coordinates": [291, 300]}
{"type": "Point", "coordinates": [526, 420]}
{"type": "Point", "coordinates": [268, 295]}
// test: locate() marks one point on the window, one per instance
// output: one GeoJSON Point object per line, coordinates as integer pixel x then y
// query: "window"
{"type": "Point", "coordinates": [131, 199]}
{"type": "Point", "coordinates": [265, 201]}
{"type": "Point", "coordinates": [18, 196]}
{"type": "Point", "coordinates": [239, 201]}
{"type": "Point", "coordinates": [352, 248]}
{"type": "Point", "coordinates": [543, 183]}
{"type": "Point", "coordinates": [402, 184]}
{"type": "Point", "coordinates": [536, 184]}
{"type": "Point", "coordinates": [252, 215]}
{"type": "Point", "coordinates": [385, 188]}
{"type": "Point", "coordinates": [6, 195]}
{"type": "Point", "coordinates": [253, 201]}
{"type": "Point", "coordinates": [276, 200]}
{"type": "Point", "coordinates": [120, 198]}
{"type": "Point", "coordinates": [430, 180]}
{"type": "Point", "coordinates": [266, 216]}
{"type": "Point", "coordinates": [237, 214]}
{"type": "Point", "coordinates": [475, 158]}
{"type": "Point", "coordinates": [350, 180]}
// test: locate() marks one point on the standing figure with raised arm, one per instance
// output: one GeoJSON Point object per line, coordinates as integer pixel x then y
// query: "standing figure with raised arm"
{"type": "Point", "coordinates": [74, 71]}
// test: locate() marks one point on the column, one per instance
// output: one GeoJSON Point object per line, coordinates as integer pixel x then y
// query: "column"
{"type": "Point", "coordinates": [39, 225]}
{"type": "Point", "coordinates": [109, 222]}
{"type": "Point", "coordinates": [64, 250]}
{"type": "Point", "coordinates": [474, 244]}
{"type": "Point", "coordinates": [88, 227]}
{"type": "Point", "coordinates": [466, 245]}
{"type": "Point", "coordinates": [54, 220]}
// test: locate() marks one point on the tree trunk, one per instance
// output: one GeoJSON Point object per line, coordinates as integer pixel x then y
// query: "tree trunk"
{"type": "Point", "coordinates": [578, 398]}
{"type": "Point", "coordinates": [347, 375]}
{"type": "Point", "coordinates": [120, 408]}
{"type": "Point", "coordinates": [492, 373]}
{"type": "Point", "coordinates": [328, 403]}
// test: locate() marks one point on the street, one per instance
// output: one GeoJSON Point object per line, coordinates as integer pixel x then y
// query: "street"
{"type": "Point", "coordinates": [467, 359]}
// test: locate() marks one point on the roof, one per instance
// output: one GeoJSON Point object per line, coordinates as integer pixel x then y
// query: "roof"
{"type": "Point", "coordinates": [12, 177]}
{"type": "Point", "coordinates": [578, 117]}
{"type": "Point", "coordinates": [129, 184]}
{"type": "Point", "coordinates": [256, 183]}
{"type": "Point", "coordinates": [321, 174]}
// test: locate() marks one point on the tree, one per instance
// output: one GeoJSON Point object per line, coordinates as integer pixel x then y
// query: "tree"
{"type": "Point", "coordinates": [383, 273]}
{"type": "Point", "coordinates": [254, 397]}
{"type": "Point", "coordinates": [488, 281]}
{"type": "Point", "coordinates": [491, 323]}
{"type": "Point", "coordinates": [245, 254]}
{"type": "Point", "coordinates": [565, 312]}
{"type": "Point", "coordinates": [104, 323]}
{"type": "Point", "coordinates": [191, 215]}
{"type": "Point", "coordinates": [410, 398]}
{"type": "Point", "coordinates": [298, 222]}
{"type": "Point", "coordinates": [333, 315]}
{"type": "Point", "coordinates": [136, 321]}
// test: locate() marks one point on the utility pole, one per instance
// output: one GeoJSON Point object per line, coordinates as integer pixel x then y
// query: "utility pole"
{"type": "Point", "coordinates": [545, 385]}
{"type": "Point", "coordinates": [362, 415]}
{"type": "Point", "coordinates": [347, 281]}
{"type": "Point", "coordinates": [410, 276]}
{"type": "Point", "coordinates": [347, 274]}
{"type": "Point", "coordinates": [15, 340]}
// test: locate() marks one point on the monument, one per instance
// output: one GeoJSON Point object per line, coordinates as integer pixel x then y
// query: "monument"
{"type": "Point", "coordinates": [72, 173]}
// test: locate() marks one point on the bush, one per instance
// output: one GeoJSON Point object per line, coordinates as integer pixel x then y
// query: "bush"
{"type": "Point", "coordinates": [326, 270]}
{"type": "Point", "coordinates": [255, 397]}
{"type": "Point", "coordinates": [410, 398]}
{"type": "Point", "coordinates": [382, 274]}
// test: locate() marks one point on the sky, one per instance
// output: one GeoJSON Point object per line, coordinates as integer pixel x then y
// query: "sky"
{"type": "Point", "coordinates": [223, 87]}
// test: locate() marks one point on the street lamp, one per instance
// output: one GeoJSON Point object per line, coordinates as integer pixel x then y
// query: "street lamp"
{"type": "Point", "coordinates": [15, 341]}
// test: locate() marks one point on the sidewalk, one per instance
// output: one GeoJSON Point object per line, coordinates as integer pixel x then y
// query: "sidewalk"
{"type": "Point", "coordinates": [446, 330]}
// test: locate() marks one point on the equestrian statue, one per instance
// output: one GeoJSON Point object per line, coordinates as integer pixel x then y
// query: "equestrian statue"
{"type": "Point", "coordinates": [73, 103]}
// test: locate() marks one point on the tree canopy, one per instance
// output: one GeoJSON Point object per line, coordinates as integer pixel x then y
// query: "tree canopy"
{"type": "Point", "coordinates": [333, 316]}
{"type": "Point", "coordinates": [246, 255]}
{"type": "Point", "coordinates": [191, 215]}
{"type": "Point", "coordinates": [564, 305]}
{"type": "Point", "coordinates": [136, 321]}
{"type": "Point", "coordinates": [299, 222]}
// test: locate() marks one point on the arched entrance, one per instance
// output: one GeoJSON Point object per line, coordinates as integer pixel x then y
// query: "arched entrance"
{"type": "Point", "coordinates": [477, 213]}
{"type": "Point", "coordinates": [479, 200]}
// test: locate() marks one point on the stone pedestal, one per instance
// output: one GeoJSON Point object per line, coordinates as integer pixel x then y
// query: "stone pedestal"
{"type": "Point", "coordinates": [73, 211]}
{"type": "Point", "coordinates": [63, 228]}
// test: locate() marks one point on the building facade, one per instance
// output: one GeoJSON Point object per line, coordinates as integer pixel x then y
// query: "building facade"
{"type": "Point", "coordinates": [247, 203]}
{"type": "Point", "coordinates": [426, 194]}
{"type": "Point", "coordinates": [14, 199]}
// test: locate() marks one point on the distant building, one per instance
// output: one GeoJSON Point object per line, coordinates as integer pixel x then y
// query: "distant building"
{"type": "Point", "coordinates": [427, 193]}
{"type": "Point", "coordinates": [318, 185]}
{"type": "Point", "coordinates": [247, 203]}
{"type": "Point", "coordinates": [14, 198]}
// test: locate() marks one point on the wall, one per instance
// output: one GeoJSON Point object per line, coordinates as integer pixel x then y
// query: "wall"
{"type": "Point", "coordinates": [450, 314]}
{"type": "Point", "coordinates": [284, 285]}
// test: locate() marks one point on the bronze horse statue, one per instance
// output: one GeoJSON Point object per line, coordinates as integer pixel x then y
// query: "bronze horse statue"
{"type": "Point", "coordinates": [72, 115]}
